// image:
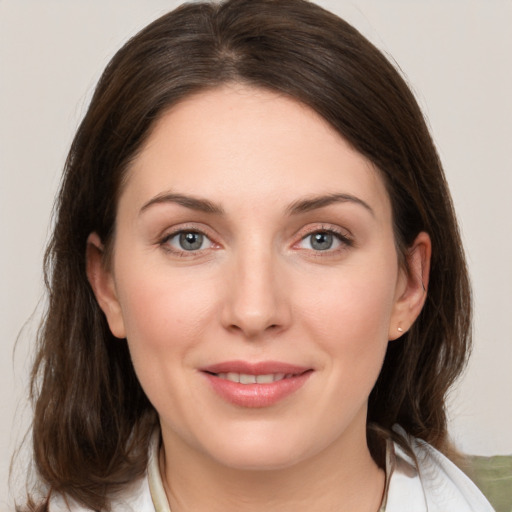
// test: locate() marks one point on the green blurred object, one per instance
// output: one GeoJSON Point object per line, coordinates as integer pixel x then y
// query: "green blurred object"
{"type": "Point", "coordinates": [493, 476]}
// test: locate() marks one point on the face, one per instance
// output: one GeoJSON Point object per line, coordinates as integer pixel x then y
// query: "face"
{"type": "Point", "coordinates": [255, 277]}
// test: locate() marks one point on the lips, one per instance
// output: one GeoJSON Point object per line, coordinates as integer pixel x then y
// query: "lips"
{"type": "Point", "coordinates": [255, 385]}
{"type": "Point", "coordinates": [246, 378]}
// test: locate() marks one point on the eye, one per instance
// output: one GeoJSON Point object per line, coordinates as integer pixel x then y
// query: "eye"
{"type": "Point", "coordinates": [323, 240]}
{"type": "Point", "coordinates": [188, 241]}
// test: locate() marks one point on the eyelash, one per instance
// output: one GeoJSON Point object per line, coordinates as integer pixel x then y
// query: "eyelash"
{"type": "Point", "coordinates": [345, 240]}
{"type": "Point", "coordinates": [164, 241]}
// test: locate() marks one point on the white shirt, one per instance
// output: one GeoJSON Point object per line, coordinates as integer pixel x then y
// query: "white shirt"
{"type": "Point", "coordinates": [435, 485]}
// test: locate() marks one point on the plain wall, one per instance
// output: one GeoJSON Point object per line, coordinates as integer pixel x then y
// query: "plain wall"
{"type": "Point", "coordinates": [457, 57]}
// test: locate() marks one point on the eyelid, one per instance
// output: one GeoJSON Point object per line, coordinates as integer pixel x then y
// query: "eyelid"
{"type": "Point", "coordinates": [170, 233]}
{"type": "Point", "coordinates": [177, 237]}
{"type": "Point", "coordinates": [342, 234]}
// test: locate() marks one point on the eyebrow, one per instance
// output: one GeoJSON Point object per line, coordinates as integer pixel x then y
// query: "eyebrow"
{"type": "Point", "coordinates": [316, 202]}
{"type": "Point", "coordinates": [194, 203]}
{"type": "Point", "coordinates": [297, 207]}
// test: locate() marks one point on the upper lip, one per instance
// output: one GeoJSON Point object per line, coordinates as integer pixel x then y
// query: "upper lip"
{"type": "Point", "coordinates": [258, 368]}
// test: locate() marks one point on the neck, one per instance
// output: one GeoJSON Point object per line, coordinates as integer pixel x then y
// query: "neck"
{"type": "Point", "coordinates": [342, 477]}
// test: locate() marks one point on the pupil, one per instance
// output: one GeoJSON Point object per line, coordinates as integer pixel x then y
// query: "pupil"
{"type": "Point", "coordinates": [191, 241]}
{"type": "Point", "coordinates": [322, 241]}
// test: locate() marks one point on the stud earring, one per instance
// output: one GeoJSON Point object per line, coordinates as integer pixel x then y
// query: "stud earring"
{"type": "Point", "coordinates": [399, 329]}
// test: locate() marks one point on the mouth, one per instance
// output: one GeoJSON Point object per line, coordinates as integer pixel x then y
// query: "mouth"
{"type": "Point", "coordinates": [256, 385]}
{"type": "Point", "coordinates": [247, 378]}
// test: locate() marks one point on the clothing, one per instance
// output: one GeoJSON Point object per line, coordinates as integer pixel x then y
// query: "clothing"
{"type": "Point", "coordinates": [435, 485]}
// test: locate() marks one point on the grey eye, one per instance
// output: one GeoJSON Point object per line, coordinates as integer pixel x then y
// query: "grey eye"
{"type": "Point", "coordinates": [321, 241]}
{"type": "Point", "coordinates": [187, 241]}
{"type": "Point", "coordinates": [191, 241]}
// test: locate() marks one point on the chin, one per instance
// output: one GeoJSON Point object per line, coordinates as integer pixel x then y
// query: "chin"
{"type": "Point", "coordinates": [256, 459]}
{"type": "Point", "coordinates": [259, 449]}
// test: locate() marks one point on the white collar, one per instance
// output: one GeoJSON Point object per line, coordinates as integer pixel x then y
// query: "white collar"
{"type": "Point", "coordinates": [434, 485]}
{"type": "Point", "coordinates": [156, 487]}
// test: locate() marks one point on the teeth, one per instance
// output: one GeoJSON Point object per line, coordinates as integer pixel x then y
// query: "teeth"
{"type": "Point", "coordinates": [244, 378]}
{"type": "Point", "coordinates": [265, 379]}
{"type": "Point", "coordinates": [247, 379]}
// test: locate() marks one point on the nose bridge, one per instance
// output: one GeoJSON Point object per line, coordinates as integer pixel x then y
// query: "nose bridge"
{"type": "Point", "coordinates": [255, 302]}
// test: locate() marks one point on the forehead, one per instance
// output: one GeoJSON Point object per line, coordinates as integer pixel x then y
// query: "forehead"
{"type": "Point", "coordinates": [241, 145]}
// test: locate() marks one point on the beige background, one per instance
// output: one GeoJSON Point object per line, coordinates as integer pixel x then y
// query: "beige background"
{"type": "Point", "coordinates": [457, 56]}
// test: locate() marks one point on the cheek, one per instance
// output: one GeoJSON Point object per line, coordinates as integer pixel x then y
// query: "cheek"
{"type": "Point", "coordinates": [357, 300]}
{"type": "Point", "coordinates": [164, 309]}
{"type": "Point", "coordinates": [350, 314]}
{"type": "Point", "coordinates": [165, 318]}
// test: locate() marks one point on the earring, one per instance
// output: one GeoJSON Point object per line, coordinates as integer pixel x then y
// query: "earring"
{"type": "Point", "coordinates": [399, 329]}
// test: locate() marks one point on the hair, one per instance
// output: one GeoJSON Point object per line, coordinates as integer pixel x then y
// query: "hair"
{"type": "Point", "coordinates": [92, 420]}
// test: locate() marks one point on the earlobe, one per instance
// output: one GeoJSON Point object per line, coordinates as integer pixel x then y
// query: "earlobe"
{"type": "Point", "coordinates": [412, 293]}
{"type": "Point", "coordinates": [102, 283]}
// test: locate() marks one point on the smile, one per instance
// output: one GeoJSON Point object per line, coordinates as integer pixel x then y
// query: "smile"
{"type": "Point", "coordinates": [255, 385]}
{"type": "Point", "coordinates": [246, 378]}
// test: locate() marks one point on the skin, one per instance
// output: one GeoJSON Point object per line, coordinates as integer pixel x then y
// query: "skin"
{"type": "Point", "coordinates": [258, 290]}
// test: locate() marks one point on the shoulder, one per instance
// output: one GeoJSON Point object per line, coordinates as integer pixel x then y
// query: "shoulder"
{"type": "Point", "coordinates": [139, 496]}
{"type": "Point", "coordinates": [435, 484]}
{"type": "Point", "coordinates": [135, 497]}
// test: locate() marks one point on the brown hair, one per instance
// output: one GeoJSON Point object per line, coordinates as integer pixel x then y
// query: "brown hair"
{"type": "Point", "coordinates": [92, 420]}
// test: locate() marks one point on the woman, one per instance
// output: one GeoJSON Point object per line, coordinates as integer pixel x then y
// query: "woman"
{"type": "Point", "coordinates": [257, 286]}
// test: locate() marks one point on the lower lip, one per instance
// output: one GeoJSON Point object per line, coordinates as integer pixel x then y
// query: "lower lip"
{"type": "Point", "coordinates": [257, 395]}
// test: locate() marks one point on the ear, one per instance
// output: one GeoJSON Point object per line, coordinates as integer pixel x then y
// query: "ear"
{"type": "Point", "coordinates": [103, 285]}
{"type": "Point", "coordinates": [412, 287]}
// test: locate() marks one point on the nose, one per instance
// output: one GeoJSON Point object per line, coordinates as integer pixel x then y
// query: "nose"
{"type": "Point", "coordinates": [257, 300]}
